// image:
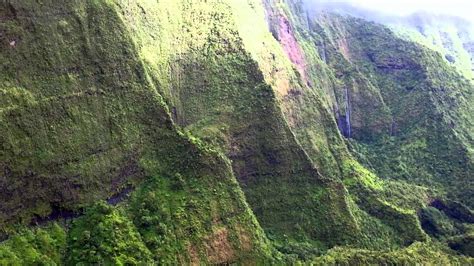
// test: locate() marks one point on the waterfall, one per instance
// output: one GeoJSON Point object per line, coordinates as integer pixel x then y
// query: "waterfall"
{"type": "Point", "coordinates": [323, 53]}
{"type": "Point", "coordinates": [344, 121]}
{"type": "Point", "coordinates": [392, 127]}
{"type": "Point", "coordinates": [348, 114]}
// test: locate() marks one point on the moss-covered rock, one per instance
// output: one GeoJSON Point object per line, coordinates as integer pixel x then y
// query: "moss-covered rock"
{"type": "Point", "coordinates": [226, 132]}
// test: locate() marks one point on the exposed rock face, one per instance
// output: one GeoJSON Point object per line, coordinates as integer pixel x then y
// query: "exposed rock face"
{"type": "Point", "coordinates": [286, 37]}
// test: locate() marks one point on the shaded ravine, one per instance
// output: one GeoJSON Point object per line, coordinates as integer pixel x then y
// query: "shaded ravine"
{"type": "Point", "coordinates": [67, 216]}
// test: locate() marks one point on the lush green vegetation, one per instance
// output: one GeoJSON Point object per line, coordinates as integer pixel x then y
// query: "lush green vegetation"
{"type": "Point", "coordinates": [188, 132]}
{"type": "Point", "coordinates": [104, 235]}
{"type": "Point", "coordinates": [35, 247]}
{"type": "Point", "coordinates": [100, 126]}
{"type": "Point", "coordinates": [418, 253]}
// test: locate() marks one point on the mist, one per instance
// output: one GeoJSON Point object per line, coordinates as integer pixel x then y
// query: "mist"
{"type": "Point", "coordinates": [388, 8]}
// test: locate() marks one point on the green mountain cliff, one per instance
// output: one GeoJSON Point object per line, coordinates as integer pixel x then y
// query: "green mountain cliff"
{"type": "Point", "coordinates": [222, 131]}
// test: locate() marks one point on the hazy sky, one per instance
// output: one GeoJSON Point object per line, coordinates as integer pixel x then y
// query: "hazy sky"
{"type": "Point", "coordinates": [461, 8]}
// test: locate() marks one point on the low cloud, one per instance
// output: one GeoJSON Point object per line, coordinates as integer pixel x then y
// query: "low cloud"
{"type": "Point", "coordinates": [458, 8]}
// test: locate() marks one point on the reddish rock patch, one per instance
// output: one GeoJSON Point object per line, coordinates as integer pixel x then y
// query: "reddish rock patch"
{"type": "Point", "coordinates": [290, 45]}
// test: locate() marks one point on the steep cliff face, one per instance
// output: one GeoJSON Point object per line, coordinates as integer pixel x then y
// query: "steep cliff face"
{"type": "Point", "coordinates": [225, 132]}
{"type": "Point", "coordinates": [240, 114]}
{"type": "Point", "coordinates": [82, 120]}
{"type": "Point", "coordinates": [450, 35]}
{"type": "Point", "coordinates": [385, 96]}
{"type": "Point", "coordinates": [419, 115]}
{"type": "Point", "coordinates": [410, 113]}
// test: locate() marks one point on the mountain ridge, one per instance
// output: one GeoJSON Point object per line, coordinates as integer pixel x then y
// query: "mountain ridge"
{"type": "Point", "coordinates": [243, 130]}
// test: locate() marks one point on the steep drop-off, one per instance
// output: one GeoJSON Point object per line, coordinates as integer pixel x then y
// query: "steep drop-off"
{"type": "Point", "coordinates": [225, 131]}
{"type": "Point", "coordinates": [82, 120]}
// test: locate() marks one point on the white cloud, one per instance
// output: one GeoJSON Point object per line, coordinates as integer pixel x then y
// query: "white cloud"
{"type": "Point", "coordinates": [459, 8]}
